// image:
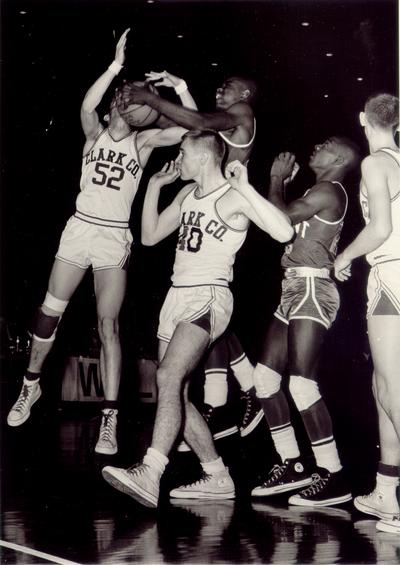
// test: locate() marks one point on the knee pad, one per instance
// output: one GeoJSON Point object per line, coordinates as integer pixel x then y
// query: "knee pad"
{"type": "Point", "coordinates": [266, 381]}
{"type": "Point", "coordinates": [305, 392]}
{"type": "Point", "coordinates": [46, 325]}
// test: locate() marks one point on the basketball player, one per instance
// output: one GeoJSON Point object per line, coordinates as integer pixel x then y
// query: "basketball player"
{"type": "Point", "coordinates": [213, 214]}
{"type": "Point", "coordinates": [96, 235]}
{"type": "Point", "coordinates": [379, 241]}
{"type": "Point", "coordinates": [308, 307]}
{"type": "Point", "coordinates": [226, 351]}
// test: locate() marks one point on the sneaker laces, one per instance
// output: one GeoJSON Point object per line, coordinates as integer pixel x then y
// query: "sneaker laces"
{"type": "Point", "coordinates": [23, 398]}
{"type": "Point", "coordinates": [203, 479]}
{"type": "Point", "coordinates": [317, 485]}
{"type": "Point", "coordinates": [107, 427]}
{"type": "Point", "coordinates": [249, 404]}
{"type": "Point", "coordinates": [137, 469]}
{"type": "Point", "coordinates": [207, 413]}
{"type": "Point", "coordinates": [275, 473]}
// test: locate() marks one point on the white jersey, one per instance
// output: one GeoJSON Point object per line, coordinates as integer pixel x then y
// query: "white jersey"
{"type": "Point", "coordinates": [111, 172]}
{"type": "Point", "coordinates": [207, 246]}
{"type": "Point", "coordinates": [390, 249]}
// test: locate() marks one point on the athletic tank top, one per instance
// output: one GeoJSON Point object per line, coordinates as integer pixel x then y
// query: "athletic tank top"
{"type": "Point", "coordinates": [206, 246]}
{"type": "Point", "coordinates": [239, 145]}
{"type": "Point", "coordinates": [316, 242]}
{"type": "Point", "coordinates": [111, 172]}
{"type": "Point", "coordinates": [390, 249]}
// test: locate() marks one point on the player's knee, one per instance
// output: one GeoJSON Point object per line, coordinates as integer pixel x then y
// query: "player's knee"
{"type": "Point", "coordinates": [108, 328]}
{"type": "Point", "coordinates": [48, 318]}
{"type": "Point", "coordinates": [166, 378]}
{"type": "Point", "coordinates": [305, 392]}
{"type": "Point", "coordinates": [267, 382]}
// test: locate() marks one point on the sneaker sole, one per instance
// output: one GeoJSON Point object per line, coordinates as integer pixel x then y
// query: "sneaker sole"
{"type": "Point", "coordinates": [252, 426]}
{"type": "Point", "coordinates": [258, 491]}
{"type": "Point", "coordinates": [296, 500]}
{"type": "Point", "coordinates": [135, 492]}
{"type": "Point", "coordinates": [202, 495]}
{"type": "Point", "coordinates": [16, 423]}
{"type": "Point", "coordinates": [106, 451]}
{"type": "Point", "coordinates": [387, 527]}
{"type": "Point", "coordinates": [372, 511]}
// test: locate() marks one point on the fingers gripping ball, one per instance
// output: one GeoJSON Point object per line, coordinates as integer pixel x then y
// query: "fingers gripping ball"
{"type": "Point", "coordinates": [140, 115]}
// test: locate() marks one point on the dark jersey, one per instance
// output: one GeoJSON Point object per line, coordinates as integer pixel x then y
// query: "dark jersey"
{"type": "Point", "coordinates": [316, 242]}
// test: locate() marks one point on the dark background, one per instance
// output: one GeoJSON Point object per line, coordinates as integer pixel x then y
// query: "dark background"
{"type": "Point", "coordinates": [53, 51]}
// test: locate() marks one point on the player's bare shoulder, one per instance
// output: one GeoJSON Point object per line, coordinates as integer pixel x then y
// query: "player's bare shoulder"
{"type": "Point", "coordinates": [230, 208]}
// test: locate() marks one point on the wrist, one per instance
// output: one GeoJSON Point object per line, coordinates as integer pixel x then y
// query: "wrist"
{"type": "Point", "coordinates": [180, 87]}
{"type": "Point", "coordinates": [115, 68]}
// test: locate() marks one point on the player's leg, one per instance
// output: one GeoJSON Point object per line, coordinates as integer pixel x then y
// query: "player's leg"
{"type": "Point", "coordinates": [243, 370]}
{"type": "Point", "coordinates": [64, 279]}
{"type": "Point", "coordinates": [290, 473]}
{"type": "Point", "coordinates": [215, 410]}
{"type": "Point", "coordinates": [215, 482]}
{"type": "Point", "coordinates": [183, 353]}
{"type": "Point", "coordinates": [110, 286]}
{"type": "Point", "coordinates": [384, 338]}
{"type": "Point", "coordinates": [305, 339]}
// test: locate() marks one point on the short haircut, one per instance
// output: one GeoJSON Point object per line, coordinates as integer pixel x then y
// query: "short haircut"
{"type": "Point", "coordinates": [251, 86]}
{"type": "Point", "coordinates": [352, 153]}
{"type": "Point", "coordinates": [382, 111]}
{"type": "Point", "coordinates": [210, 141]}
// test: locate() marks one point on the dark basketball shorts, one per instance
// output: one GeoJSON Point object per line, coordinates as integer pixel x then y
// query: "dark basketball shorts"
{"type": "Point", "coordinates": [308, 298]}
{"type": "Point", "coordinates": [83, 244]}
{"type": "Point", "coordinates": [209, 307]}
{"type": "Point", "coordinates": [383, 289]}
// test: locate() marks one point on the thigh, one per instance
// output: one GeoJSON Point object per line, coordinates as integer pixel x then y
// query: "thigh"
{"type": "Point", "coordinates": [109, 287]}
{"type": "Point", "coordinates": [384, 340]}
{"type": "Point", "coordinates": [305, 339]}
{"type": "Point", "coordinates": [64, 279]}
{"type": "Point", "coordinates": [274, 350]}
{"type": "Point", "coordinates": [185, 350]}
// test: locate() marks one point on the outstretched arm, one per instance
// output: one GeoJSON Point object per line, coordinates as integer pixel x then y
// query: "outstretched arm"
{"type": "Point", "coordinates": [380, 218]}
{"type": "Point", "coordinates": [186, 117]}
{"type": "Point", "coordinates": [89, 117]}
{"type": "Point", "coordinates": [155, 226]}
{"type": "Point", "coordinates": [263, 213]}
{"type": "Point", "coordinates": [179, 85]}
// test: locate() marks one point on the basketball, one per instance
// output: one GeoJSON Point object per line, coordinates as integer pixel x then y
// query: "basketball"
{"type": "Point", "coordinates": [140, 115]}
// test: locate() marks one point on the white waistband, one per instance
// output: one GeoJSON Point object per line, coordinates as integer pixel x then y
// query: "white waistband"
{"type": "Point", "coordinates": [293, 272]}
{"type": "Point", "coordinates": [122, 224]}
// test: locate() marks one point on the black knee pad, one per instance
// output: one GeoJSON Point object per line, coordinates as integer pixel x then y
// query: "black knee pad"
{"type": "Point", "coordinates": [45, 326]}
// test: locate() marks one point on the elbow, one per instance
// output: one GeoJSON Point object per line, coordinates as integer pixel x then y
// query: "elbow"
{"type": "Point", "coordinates": [285, 234]}
{"type": "Point", "coordinates": [148, 240]}
{"type": "Point", "coordinates": [383, 232]}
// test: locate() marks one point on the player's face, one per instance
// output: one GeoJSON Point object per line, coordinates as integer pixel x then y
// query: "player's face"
{"type": "Point", "coordinates": [229, 93]}
{"type": "Point", "coordinates": [188, 161]}
{"type": "Point", "coordinates": [325, 154]}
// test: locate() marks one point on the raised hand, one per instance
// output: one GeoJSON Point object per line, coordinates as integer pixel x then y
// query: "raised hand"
{"type": "Point", "coordinates": [283, 166]}
{"type": "Point", "coordinates": [163, 79]}
{"type": "Point", "coordinates": [168, 174]}
{"type": "Point", "coordinates": [130, 93]}
{"type": "Point", "coordinates": [120, 49]}
{"type": "Point", "coordinates": [236, 174]}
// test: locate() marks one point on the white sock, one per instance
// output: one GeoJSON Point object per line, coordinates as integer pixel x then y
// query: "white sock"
{"type": "Point", "coordinates": [213, 467]}
{"type": "Point", "coordinates": [285, 443]}
{"type": "Point", "coordinates": [327, 456]}
{"type": "Point", "coordinates": [216, 387]}
{"type": "Point", "coordinates": [243, 371]}
{"type": "Point", "coordinates": [387, 484]}
{"type": "Point", "coordinates": [156, 460]}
